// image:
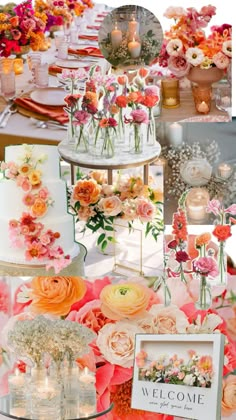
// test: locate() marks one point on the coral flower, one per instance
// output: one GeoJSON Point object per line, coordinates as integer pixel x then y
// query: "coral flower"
{"type": "Point", "coordinates": [56, 295]}
{"type": "Point", "coordinates": [121, 101]}
{"type": "Point", "coordinates": [222, 232]}
{"type": "Point", "coordinates": [39, 208]}
{"type": "Point", "coordinates": [203, 239]}
{"type": "Point", "coordinates": [205, 364]}
{"type": "Point", "coordinates": [86, 192]}
{"type": "Point", "coordinates": [180, 226]}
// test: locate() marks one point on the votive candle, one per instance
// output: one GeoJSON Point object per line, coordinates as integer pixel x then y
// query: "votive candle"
{"type": "Point", "coordinates": [18, 65]}
{"type": "Point", "coordinates": [196, 203]}
{"type": "Point", "coordinates": [225, 170]}
{"type": "Point", "coordinates": [87, 393]}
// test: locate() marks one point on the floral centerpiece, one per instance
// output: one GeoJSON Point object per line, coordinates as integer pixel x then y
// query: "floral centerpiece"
{"type": "Point", "coordinates": [117, 311]}
{"type": "Point", "coordinates": [99, 205]}
{"type": "Point", "coordinates": [186, 46]}
{"type": "Point", "coordinates": [21, 30]}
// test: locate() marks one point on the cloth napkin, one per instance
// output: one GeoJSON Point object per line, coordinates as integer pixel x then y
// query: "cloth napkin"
{"type": "Point", "coordinates": [53, 69]}
{"type": "Point", "coordinates": [98, 20]}
{"type": "Point", "coordinates": [94, 27]}
{"type": "Point", "coordinates": [89, 37]}
{"type": "Point", "coordinates": [88, 51]}
{"type": "Point", "coordinates": [99, 15]}
{"type": "Point", "coordinates": [46, 112]}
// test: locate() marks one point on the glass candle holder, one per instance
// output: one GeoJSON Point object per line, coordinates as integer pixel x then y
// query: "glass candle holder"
{"type": "Point", "coordinates": [62, 51]}
{"type": "Point", "coordinates": [202, 99]}
{"type": "Point", "coordinates": [45, 399]}
{"type": "Point", "coordinates": [170, 93]}
{"type": "Point", "coordinates": [6, 65]}
{"type": "Point", "coordinates": [87, 393]}
{"type": "Point", "coordinates": [17, 389]}
{"type": "Point", "coordinates": [8, 84]}
{"type": "Point", "coordinates": [18, 65]}
{"type": "Point", "coordinates": [196, 203]}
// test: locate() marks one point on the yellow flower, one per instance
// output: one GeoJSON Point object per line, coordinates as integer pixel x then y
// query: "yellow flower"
{"type": "Point", "coordinates": [127, 300]}
{"type": "Point", "coordinates": [157, 196]}
{"type": "Point", "coordinates": [35, 177]}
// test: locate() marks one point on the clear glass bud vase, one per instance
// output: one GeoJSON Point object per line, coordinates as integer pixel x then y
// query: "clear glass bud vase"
{"type": "Point", "coordinates": [204, 299]}
{"type": "Point", "coordinates": [136, 139]}
{"type": "Point", "coordinates": [151, 129]}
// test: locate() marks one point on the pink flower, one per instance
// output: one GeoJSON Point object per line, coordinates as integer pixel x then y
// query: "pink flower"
{"type": "Point", "coordinates": [35, 250]}
{"type": "Point", "coordinates": [58, 264]}
{"type": "Point", "coordinates": [168, 319]}
{"type": "Point", "coordinates": [45, 239]}
{"type": "Point", "coordinates": [24, 183]}
{"type": "Point", "coordinates": [221, 60]}
{"type": "Point", "coordinates": [28, 199]}
{"type": "Point", "coordinates": [179, 66]}
{"type": "Point", "coordinates": [206, 266]}
{"type": "Point", "coordinates": [139, 116]}
{"type": "Point", "coordinates": [43, 193]}
{"type": "Point", "coordinates": [231, 210]}
{"type": "Point", "coordinates": [81, 117]}
{"type": "Point", "coordinates": [214, 207]}
{"type": "Point", "coordinates": [13, 224]}
{"type": "Point", "coordinates": [84, 213]}
{"type": "Point", "coordinates": [152, 91]}
{"type": "Point", "coordinates": [110, 206]}
{"type": "Point", "coordinates": [145, 210]}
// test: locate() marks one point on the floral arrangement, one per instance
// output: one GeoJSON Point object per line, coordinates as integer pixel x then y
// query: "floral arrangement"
{"type": "Point", "coordinates": [23, 28]}
{"type": "Point", "coordinates": [186, 44]}
{"type": "Point", "coordinates": [196, 371]}
{"type": "Point", "coordinates": [28, 231]}
{"type": "Point", "coordinates": [115, 312]}
{"type": "Point", "coordinates": [99, 205]}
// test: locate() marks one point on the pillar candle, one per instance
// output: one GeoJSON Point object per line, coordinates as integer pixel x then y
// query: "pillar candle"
{"type": "Point", "coordinates": [116, 37]}
{"type": "Point", "coordinates": [175, 134]}
{"type": "Point", "coordinates": [134, 48]}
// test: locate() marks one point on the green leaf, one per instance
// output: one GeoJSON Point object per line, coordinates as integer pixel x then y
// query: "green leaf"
{"type": "Point", "coordinates": [109, 228]}
{"type": "Point", "coordinates": [101, 238]}
{"type": "Point", "coordinates": [104, 245]}
{"type": "Point", "coordinates": [111, 239]}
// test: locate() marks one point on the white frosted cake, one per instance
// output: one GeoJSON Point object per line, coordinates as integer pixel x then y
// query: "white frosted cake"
{"type": "Point", "coordinates": [35, 225]}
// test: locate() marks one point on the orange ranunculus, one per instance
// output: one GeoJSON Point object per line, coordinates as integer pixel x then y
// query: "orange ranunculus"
{"type": "Point", "coordinates": [143, 72]}
{"type": "Point", "coordinates": [56, 295]}
{"type": "Point", "coordinates": [35, 177]}
{"type": "Point", "coordinates": [121, 101]}
{"type": "Point", "coordinates": [122, 80]}
{"type": "Point", "coordinates": [228, 403]}
{"type": "Point", "coordinates": [114, 109]}
{"type": "Point", "coordinates": [222, 232]}
{"type": "Point", "coordinates": [135, 97]}
{"type": "Point", "coordinates": [203, 239]}
{"type": "Point", "coordinates": [25, 169]}
{"type": "Point", "coordinates": [86, 192]}
{"type": "Point", "coordinates": [149, 101]}
{"type": "Point", "coordinates": [39, 208]}
{"type": "Point", "coordinates": [127, 300]}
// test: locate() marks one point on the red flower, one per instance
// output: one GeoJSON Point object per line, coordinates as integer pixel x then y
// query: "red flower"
{"type": "Point", "coordinates": [181, 256]}
{"type": "Point", "coordinates": [121, 101]}
{"type": "Point", "coordinates": [172, 244]}
{"type": "Point", "coordinates": [222, 232]}
{"type": "Point", "coordinates": [71, 100]}
{"type": "Point", "coordinates": [112, 122]}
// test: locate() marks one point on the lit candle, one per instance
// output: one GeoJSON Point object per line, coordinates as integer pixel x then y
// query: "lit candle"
{"type": "Point", "coordinates": [46, 391]}
{"type": "Point", "coordinates": [18, 411]}
{"type": "Point", "coordinates": [133, 26]}
{"type": "Point", "coordinates": [203, 108]}
{"type": "Point", "coordinates": [87, 393]}
{"type": "Point", "coordinates": [116, 37]}
{"type": "Point", "coordinates": [134, 48]}
{"type": "Point", "coordinates": [225, 170]}
{"type": "Point", "coordinates": [17, 380]}
{"type": "Point", "coordinates": [175, 134]}
{"type": "Point", "coordinates": [170, 101]}
{"type": "Point", "coordinates": [18, 65]}
{"type": "Point", "coordinates": [196, 203]}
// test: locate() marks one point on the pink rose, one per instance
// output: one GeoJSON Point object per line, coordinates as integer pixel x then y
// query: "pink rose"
{"type": "Point", "coordinates": [221, 60]}
{"type": "Point", "coordinates": [45, 239]}
{"type": "Point", "coordinates": [152, 91]}
{"type": "Point", "coordinates": [26, 185]}
{"type": "Point", "coordinates": [178, 65]}
{"type": "Point", "coordinates": [81, 117]}
{"type": "Point", "coordinates": [169, 319]}
{"type": "Point", "coordinates": [206, 266]}
{"type": "Point", "coordinates": [43, 193]}
{"type": "Point", "coordinates": [110, 206]}
{"type": "Point", "coordinates": [145, 210]}
{"type": "Point", "coordinates": [139, 116]}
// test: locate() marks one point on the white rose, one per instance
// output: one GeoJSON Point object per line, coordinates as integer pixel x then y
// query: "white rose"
{"type": "Point", "coordinates": [196, 172]}
{"type": "Point", "coordinates": [189, 380]}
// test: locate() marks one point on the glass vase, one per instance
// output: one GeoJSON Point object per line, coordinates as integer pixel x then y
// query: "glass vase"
{"type": "Point", "coordinates": [204, 299]}
{"type": "Point", "coordinates": [151, 129]}
{"type": "Point", "coordinates": [108, 142]}
{"type": "Point", "coordinates": [121, 127]}
{"type": "Point", "coordinates": [136, 139]}
{"type": "Point", "coordinates": [81, 140]}
{"type": "Point", "coordinates": [18, 394]}
{"type": "Point", "coordinates": [71, 391]}
{"type": "Point", "coordinates": [71, 133]}
{"type": "Point", "coordinates": [222, 265]}
{"type": "Point", "coordinates": [45, 397]}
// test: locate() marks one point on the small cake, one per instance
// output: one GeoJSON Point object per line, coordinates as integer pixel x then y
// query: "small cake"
{"type": "Point", "coordinates": [36, 228]}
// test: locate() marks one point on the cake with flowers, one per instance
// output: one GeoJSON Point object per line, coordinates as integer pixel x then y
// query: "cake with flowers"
{"type": "Point", "coordinates": [36, 228]}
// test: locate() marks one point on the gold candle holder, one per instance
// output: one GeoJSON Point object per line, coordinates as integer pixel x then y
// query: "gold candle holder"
{"type": "Point", "coordinates": [170, 93]}
{"type": "Point", "coordinates": [18, 65]}
{"type": "Point", "coordinates": [202, 98]}
{"type": "Point", "coordinates": [6, 65]}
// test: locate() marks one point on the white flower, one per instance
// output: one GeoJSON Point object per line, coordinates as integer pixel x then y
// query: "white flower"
{"type": "Point", "coordinates": [194, 56]}
{"type": "Point", "coordinates": [208, 326]}
{"type": "Point", "coordinates": [42, 158]}
{"type": "Point", "coordinates": [175, 12]}
{"type": "Point", "coordinates": [169, 320]}
{"type": "Point", "coordinates": [174, 47]}
{"type": "Point", "coordinates": [189, 380]}
{"type": "Point", "coordinates": [196, 172]}
{"type": "Point", "coordinates": [24, 294]}
{"type": "Point", "coordinates": [227, 48]}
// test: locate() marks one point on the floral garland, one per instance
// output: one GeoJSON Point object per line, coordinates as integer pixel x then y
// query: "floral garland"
{"type": "Point", "coordinates": [28, 231]}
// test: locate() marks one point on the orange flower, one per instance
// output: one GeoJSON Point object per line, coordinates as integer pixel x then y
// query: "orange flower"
{"type": "Point", "coordinates": [135, 97]}
{"type": "Point", "coordinates": [92, 98]}
{"type": "Point", "coordinates": [98, 176]}
{"type": "Point", "coordinates": [228, 403]}
{"type": "Point", "coordinates": [180, 226]}
{"type": "Point", "coordinates": [203, 239]}
{"type": "Point", "coordinates": [35, 177]}
{"type": "Point", "coordinates": [143, 72]}
{"type": "Point", "coordinates": [55, 295]}
{"type": "Point", "coordinates": [205, 364]}
{"type": "Point", "coordinates": [39, 208]}
{"type": "Point", "coordinates": [114, 109]}
{"type": "Point", "coordinates": [86, 192]}
{"type": "Point", "coordinates": [104, 122]}
{"type": "Point", "coordinates": [157, 196]}
{"type": "Point", "coordinates": [150, 101]}
{"type": "Point", "coordinates": [122, 80]}
{"type": "Point", "coordinates": [222, 232]}
{"type": "Point", "coordinates": [14, 21]}
{"type": "Point", "coordinates": [121, 101]}
{"type": "Point", "coordinates": [25, 169]}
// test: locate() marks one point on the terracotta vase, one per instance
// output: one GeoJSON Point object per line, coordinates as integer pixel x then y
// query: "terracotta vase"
{"type": "Point", "coordinates": [205, 77]}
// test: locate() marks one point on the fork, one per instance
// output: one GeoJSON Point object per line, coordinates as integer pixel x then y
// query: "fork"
{"type": "Point", "coordinates": [6, 116]}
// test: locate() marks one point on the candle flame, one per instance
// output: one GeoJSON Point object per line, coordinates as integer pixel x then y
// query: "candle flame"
{"type": "Point", "coordinates": [17, 372]}
{"type": "Point", "coordinates": [86, 371]}
{"type": "Point", "coordinates": [46, 381]}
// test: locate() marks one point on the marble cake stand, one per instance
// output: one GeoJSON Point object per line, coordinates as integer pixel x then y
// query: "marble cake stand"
{"type": "Point", "coordinates": [76, 268]}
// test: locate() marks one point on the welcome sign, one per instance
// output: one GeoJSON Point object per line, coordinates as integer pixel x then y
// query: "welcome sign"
{"type": "Point", "coordinates": [179, 374]}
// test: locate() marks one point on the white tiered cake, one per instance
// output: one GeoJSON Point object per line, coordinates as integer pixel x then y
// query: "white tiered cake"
{"type": "Point", "coordinates": [35, 225]}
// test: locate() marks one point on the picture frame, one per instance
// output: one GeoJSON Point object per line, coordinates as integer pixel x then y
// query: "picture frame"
{"type": "Point", "coordinates": [179, 374]}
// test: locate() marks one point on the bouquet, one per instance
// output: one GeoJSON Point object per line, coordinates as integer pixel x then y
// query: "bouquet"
{"type": "Point", "coordinates": [23, 28]}
{"type": "Point", "coordinates": [99, 205]}
{"type": "Point", "coordinates": [186, 45]}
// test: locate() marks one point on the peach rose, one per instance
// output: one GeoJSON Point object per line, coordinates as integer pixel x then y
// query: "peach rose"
{"type": "Point", "coordinates": [110, 206]}
{"type": "Point", "coordinates": [127, 300]}
{"type": "Point", "coordinates": [86, 192]}
{"type": "Point", "coordinates": [39, 208]}
{"type": "Point", "coordinates": [116, 342]}
{"type": "Point", "coordinates": [145, 210]}
{"type": "Point", "coordinates": [169, 320]}
{"type": "Point", "coordinates": [228, 403]}
{"type": "Point", "coordinates": [55, 295]}
{"type": "Point", "coordinates": [98, 176]}
{"type": "Point", "coordinates": [35, 177]}
{"type": "Point", "coordinates": [90, 315]}
{"type": "Point", "coordinates": [84, 213]}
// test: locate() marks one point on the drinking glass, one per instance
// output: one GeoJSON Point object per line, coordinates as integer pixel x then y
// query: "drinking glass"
{"type": "Point", "coordinates": [34, 60]}
{"type": "Point", "coordinates": [8, 85]}
{"type": "Point", "coordinates": [41, 75]}
{"type": "Point", "coordinates": [223, 98]}
{"type": "Point", "coordinates": [63, 51]}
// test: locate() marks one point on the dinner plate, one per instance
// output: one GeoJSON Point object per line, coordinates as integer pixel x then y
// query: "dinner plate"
{"type": "Point", "coordinates": [49, 96]}
{"type": "Point", "coordinates": [71, 64]}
